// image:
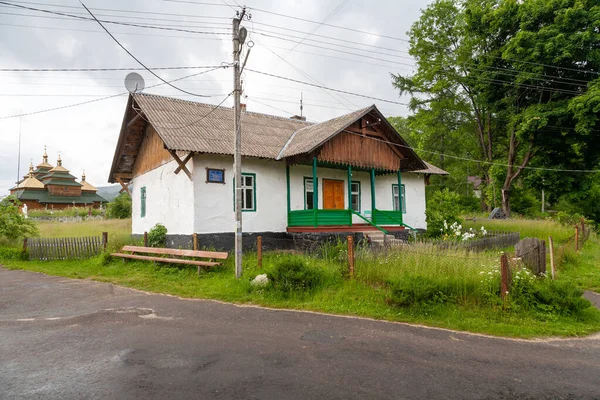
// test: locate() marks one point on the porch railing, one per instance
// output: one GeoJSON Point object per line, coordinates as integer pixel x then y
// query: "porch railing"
{"type": "Point", "coordinates": [319, 217]}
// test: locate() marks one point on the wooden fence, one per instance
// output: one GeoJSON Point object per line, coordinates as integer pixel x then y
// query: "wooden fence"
{"type": "Point", "coordinates": [77, 248]}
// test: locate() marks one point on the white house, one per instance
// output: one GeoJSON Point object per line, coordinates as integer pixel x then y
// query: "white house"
{"type": "Point", "coordinates": [353, 173]}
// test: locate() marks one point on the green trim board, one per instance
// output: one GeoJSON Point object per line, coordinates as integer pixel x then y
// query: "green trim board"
{"type": "Point", "coordinates": [143, 202]}
{"type": "Point", "coordinates": [246, 174]}
{"type": "Point", "coordinates": [402, 197]}
{"type": "Point", "coordinates": [387, 217]}
{"type": "Point", "coordinates": [323, 217]}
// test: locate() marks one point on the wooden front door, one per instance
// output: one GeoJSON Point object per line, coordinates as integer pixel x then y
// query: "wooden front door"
{"type": "Point", "coordinates": [333, 194]}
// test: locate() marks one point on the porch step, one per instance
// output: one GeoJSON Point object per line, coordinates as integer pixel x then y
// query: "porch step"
{"type": "Point", "coordinates": [379, 239]}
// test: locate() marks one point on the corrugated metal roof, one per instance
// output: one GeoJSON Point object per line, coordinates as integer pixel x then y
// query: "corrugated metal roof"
{"type": "Point", "coordinates": [310, 137]}
{"type": "Point", "coordinates": [431, 170]}
{"type": "Point", "coordinates": [190, 126]}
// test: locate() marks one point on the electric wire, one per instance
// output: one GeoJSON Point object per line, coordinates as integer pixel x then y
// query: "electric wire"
{"type": "Point", "coordinates": [136, 59]}
{"type": "Point", "coordinates": [472, 159]}
{"type": "Point", "coordinates": [103, 98]}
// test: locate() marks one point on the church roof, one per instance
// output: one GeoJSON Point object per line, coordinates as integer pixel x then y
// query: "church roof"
{"type": "Point", "coordinates": [30, 181]}
{"type": "Point", "coordinates": [85, 186]}
{"type": "Point", "coordinates": [44, 164]}
{"type": "Point", "coordinates": [44, 197]}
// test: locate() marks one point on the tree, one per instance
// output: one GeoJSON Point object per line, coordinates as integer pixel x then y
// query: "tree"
{"type": "Point", "coordinates": [513, 75]}
{"type": "Point", "coordinates": [120, 207]}
{"type": "Point", "coordinates": [13, 224]}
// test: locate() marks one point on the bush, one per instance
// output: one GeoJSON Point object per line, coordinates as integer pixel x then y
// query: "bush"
{"type": "Point", "coordinates": [13, 224]}
{"type": "Point", "coordinates": [546, 296]}
{"type": "Point", "coordinates": [419, 290]}
{"type": "Point", "coordinates": [444, 205]}
{"type": "Point", "coordinates": [11, 253]}
{"type": "Point", "coordinates": [157, 236]}
{"type": "Point", "coordinates": [120, 207]}
{"type": "Point", "coordinates": [293, 274]}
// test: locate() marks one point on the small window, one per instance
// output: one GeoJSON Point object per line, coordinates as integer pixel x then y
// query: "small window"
{"type": "Point", "coordinates": [355, 192]}
{"type": "Point", "coordinates": [248, 192]}
{"type": "Point", "coordinates": [309, 193]}
{"type": "Point", "coordinates": [402, 199]}
{"type": "Point", "coordinates": [143, 201]}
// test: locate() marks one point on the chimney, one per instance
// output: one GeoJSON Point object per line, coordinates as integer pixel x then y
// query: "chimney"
{"type": "Point", "coordinates": [242, 107]}
{"type": "Point", "coordinates": [298, 117]}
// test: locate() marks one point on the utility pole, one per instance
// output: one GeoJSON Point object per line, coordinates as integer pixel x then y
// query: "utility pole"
{"type": "Point", "coordinates": [238, 42]}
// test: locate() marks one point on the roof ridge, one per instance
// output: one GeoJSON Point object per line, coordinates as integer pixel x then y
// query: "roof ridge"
{"type": "Point", "coordinates": [224, 108]}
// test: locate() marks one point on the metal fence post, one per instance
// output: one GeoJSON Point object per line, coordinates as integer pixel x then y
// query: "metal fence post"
{"type": "Point", "coordinates": [259, 251]}
{"type": "Point", "coordinates": [145, 239]}
{"type": "Point", "coordinates": [195, 241]}
{"type": "Point", "coordinates": [351, 256]}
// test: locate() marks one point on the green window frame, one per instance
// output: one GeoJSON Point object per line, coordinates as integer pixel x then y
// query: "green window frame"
{"type": "Point", "coordinates": [395, 202]}
{"type": "Point", "coordinates": [248, 192]}
{"type": "Point", "coordinates": [143, 201]}
{"type": "Point", "coordinates": [310, 188]}
{"type": "Point", "coordinates": [355, 191]}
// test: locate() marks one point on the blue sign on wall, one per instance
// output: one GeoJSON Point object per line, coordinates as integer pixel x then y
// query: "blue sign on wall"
{"type": "Point", "coordinates": [215, 175]}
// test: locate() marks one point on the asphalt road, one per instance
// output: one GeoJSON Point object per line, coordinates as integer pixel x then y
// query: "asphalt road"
{"type": "Point", "coordinates": [76, 339]}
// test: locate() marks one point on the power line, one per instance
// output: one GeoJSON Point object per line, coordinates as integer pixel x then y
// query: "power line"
{"type": "Point", "coordinates": [472, 159]}
{"type": "Point", "coordinates": [326, 88]}
{"type": "Point", "coordinates": [109, 21]}
{"type": "Point", "coordinates": [136, 59]}
{"type": "Point", "coordinates": [120, 33]}
{"type": "Point", "coordinates": [103, 98]}
{"type": "Point", "coordinates": [137, 12]}
{"type": "Point", "coordinates": [211, 67]}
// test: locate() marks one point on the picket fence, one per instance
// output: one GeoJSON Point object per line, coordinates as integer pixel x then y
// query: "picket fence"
{"type": "Point", "coordinates": [47, 249]}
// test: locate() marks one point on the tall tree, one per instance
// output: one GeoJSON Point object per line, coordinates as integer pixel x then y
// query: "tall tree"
{"type": "Point", "coordinates": [515, 71]}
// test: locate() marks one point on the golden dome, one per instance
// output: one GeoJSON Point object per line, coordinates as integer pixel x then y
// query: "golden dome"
{"type": "Point", "coordinates": [30, 182]}
{"type": "Point", "coordinates": [44, 163]}
{"type": "Point", "coordinates": [86, 186]}
{"type": "Point", "coordinates": [59, 167]}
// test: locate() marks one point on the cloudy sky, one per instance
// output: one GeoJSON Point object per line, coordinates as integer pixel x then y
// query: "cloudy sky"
{"type": "Point", "coordinates": [194, 33]}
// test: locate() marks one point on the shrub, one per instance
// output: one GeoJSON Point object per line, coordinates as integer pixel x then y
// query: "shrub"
{"type": "Point", "coordinates": [11, 253]}
{"type": "Point", "coordinates": [157, 236]}
{"type": "Point", "coordinates": [419, 290]}
{"type": "Point", "coordinates": [119, 207]}
{"type": "Point", "coordinates": [546, 296]}
{"type": "Point", "coordinates": [13, 224]}
{"type": "Point", "coordinates": [442, 206]}
{"type": "Point", "coordinates": [293, 274]}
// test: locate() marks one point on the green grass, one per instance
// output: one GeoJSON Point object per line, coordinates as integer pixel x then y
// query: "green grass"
{"type": "Point", "coordinates": [540, 229]}
{"type": "Point", "coordinates": [119, 230]}
{"type": "Point", "coordinates": [368, 295]}
{"type": "Point", "coordinates": [583, 269]}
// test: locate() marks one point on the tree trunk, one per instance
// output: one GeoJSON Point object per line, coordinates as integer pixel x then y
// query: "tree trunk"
{"type": "Point", "coordinates": [506, 201]}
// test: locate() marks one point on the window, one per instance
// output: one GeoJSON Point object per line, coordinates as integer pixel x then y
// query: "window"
{"type": "Point", "coordinates": [355, 191]}
{"type": "Point", "coordinates": [143, 201]}
{"type": "Point", "coordinates": [248, 192]}
{"type": "Point", "coordinates": [403, 198]}
{"type": "Point", "coordinates": [309, 193]}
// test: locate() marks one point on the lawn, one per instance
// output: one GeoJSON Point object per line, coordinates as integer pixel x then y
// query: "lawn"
{"type": "Point", "coordinates": [442, 288]}
{"type": "Point", "coordinates": [540, 229]}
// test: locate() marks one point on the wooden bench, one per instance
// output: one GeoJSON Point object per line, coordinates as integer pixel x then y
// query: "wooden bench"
{"type": "Point", "coordinates": [209, 255]}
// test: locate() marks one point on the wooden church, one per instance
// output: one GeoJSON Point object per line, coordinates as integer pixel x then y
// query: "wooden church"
{"type": "Point", "coordinates": [54, 188]}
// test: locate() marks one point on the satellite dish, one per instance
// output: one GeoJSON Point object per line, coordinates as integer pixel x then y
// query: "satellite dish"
{"type": "Point", "coordinates": [134, 82]}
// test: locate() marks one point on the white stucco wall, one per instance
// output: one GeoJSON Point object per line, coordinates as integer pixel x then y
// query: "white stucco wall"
{"type": "Point", "coordinates": [185, 206]}
{"type": "Point", "coordinates": [214, 202]}
{"type": "Point", "coordinates": [169, 200]}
